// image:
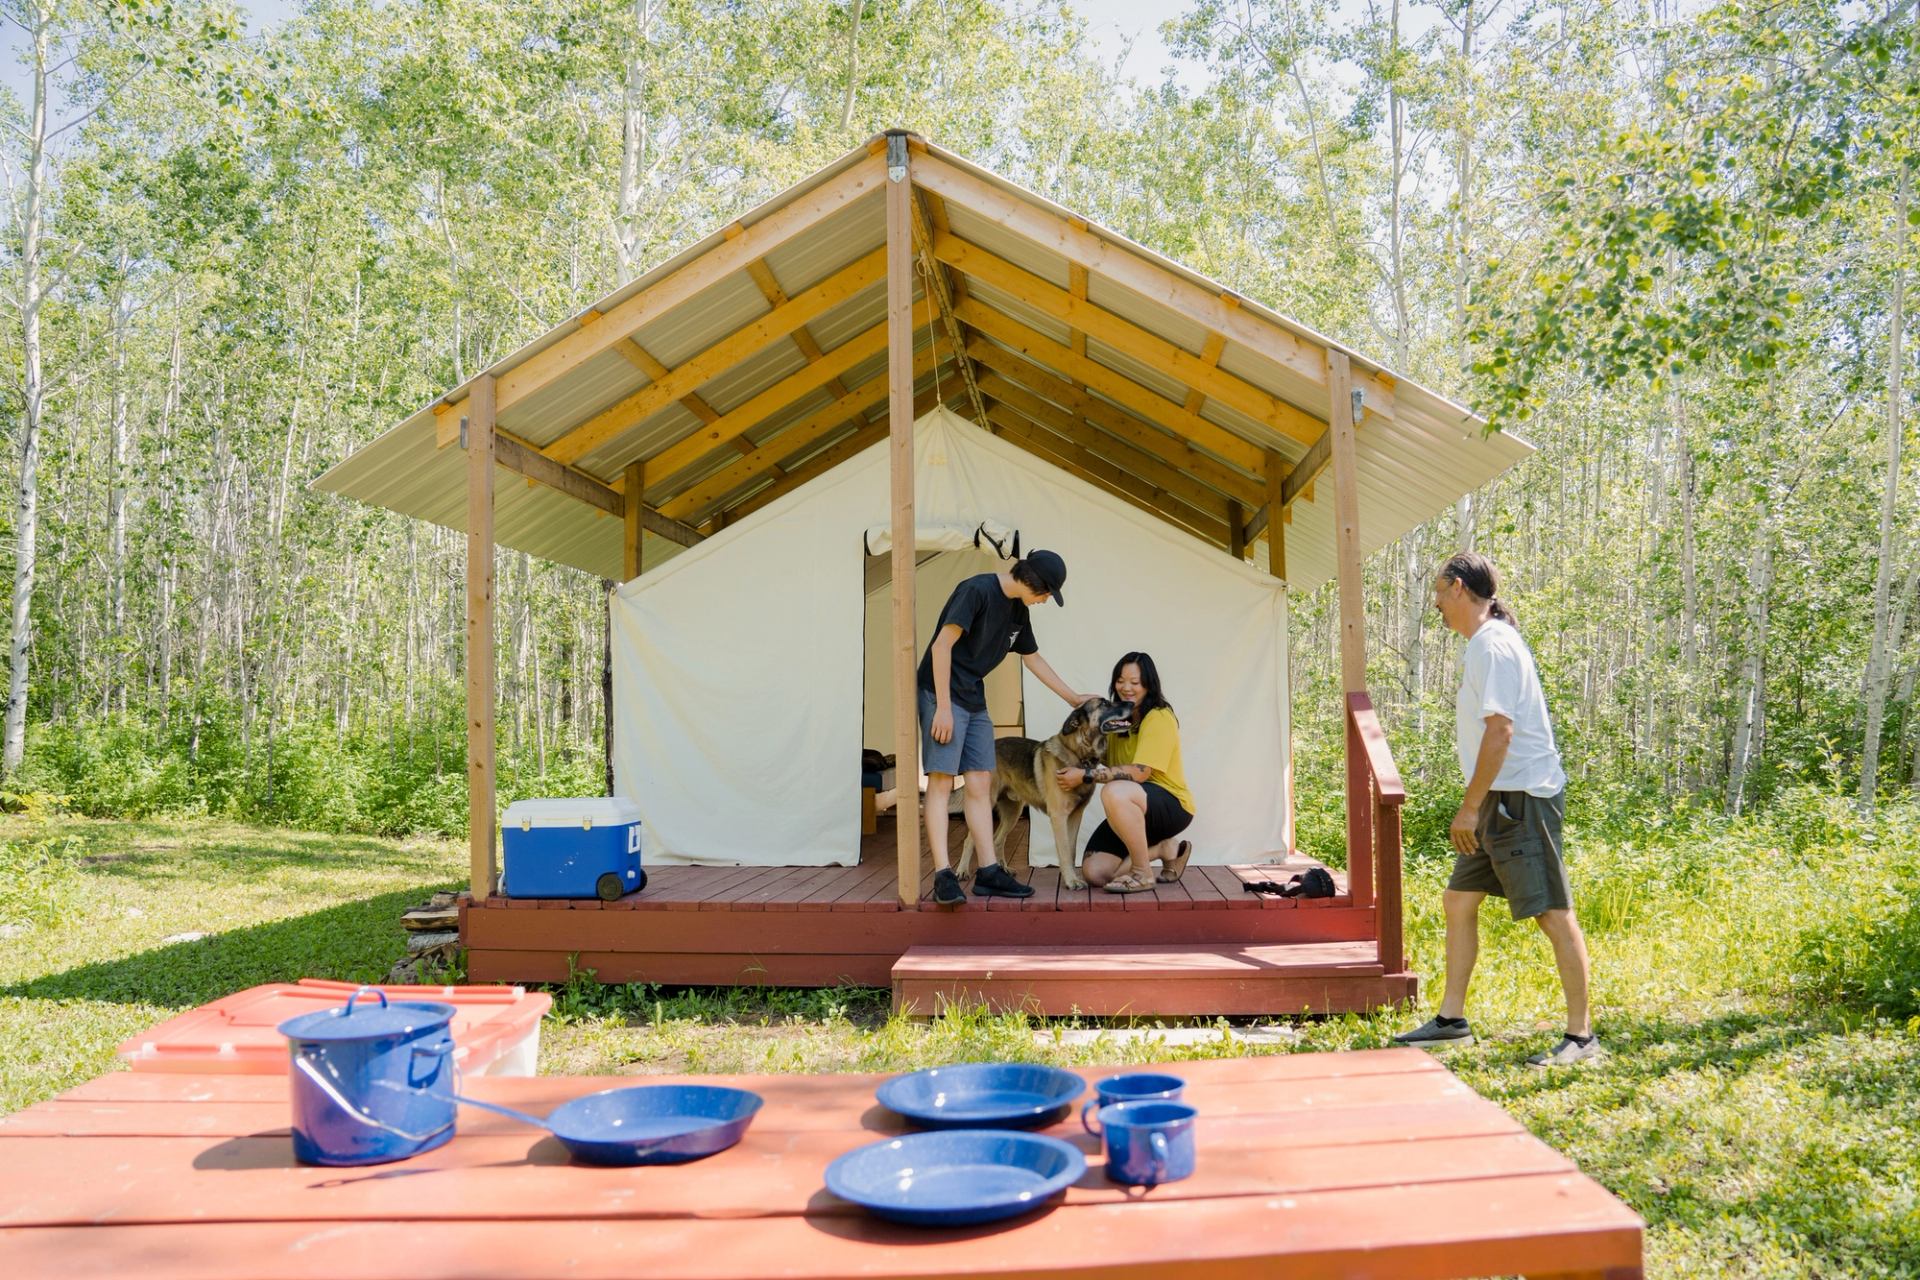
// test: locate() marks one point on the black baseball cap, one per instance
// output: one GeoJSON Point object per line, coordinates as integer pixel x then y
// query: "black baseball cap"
{"type": "Point", "coordinates": [1051, 570]}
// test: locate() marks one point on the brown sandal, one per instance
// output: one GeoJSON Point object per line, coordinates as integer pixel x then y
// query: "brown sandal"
{"type": "Point", "coordinates": [1131, 882]}
{"type": "Point", "coordinates": [1176, 866]}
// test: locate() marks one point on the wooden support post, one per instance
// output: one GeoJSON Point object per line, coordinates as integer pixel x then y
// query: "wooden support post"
{"type": "Point", "coordinates": [1346, 524]}
{"type": "Point", "coordinates": [1276, 516]}
{"type": "Point", "coordinates": [636, 502]}
{"type": "Point", "coordinates": [906, 702]}
{"type": "Point", "coordinates": [480, 682]}
{"type": "Point", "coordinates": [1236, 530]}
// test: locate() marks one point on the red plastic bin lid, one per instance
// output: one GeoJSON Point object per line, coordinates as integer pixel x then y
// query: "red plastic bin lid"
{"type": "Point", "coordinates": [237, 1034]}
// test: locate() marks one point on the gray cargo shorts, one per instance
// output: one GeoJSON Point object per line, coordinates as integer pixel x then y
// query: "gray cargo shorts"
{"type": "Point", "coordinates": [1520, 854]}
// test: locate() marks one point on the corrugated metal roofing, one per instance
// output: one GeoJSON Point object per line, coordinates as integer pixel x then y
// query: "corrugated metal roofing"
{"type": "Point", "coordinates": [1414, 461]}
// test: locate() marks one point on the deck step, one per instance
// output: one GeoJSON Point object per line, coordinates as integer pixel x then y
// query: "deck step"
{"type": "Point", "coordinates": [1121, 981]}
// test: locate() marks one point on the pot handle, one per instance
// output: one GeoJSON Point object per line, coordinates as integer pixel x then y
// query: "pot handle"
{"type": "Point", "coordinates": [301, 1064]}
{"type": "Point", "coordinates": [361, 992]}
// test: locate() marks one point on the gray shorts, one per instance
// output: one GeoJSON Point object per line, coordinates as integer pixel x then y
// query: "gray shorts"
{"type": "Point", "coordinates": [1520, 854]}
{"type": "Point", "coordinates": [969, 750]}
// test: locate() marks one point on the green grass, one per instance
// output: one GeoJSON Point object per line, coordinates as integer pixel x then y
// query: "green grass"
{"type": "Point", "coordinates": [1760, 1106]}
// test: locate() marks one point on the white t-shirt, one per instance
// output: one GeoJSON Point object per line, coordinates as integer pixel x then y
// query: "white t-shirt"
{"type": "Point", "coordinates": [1498, 678]}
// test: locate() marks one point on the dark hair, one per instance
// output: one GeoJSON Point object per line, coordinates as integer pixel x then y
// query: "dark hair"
{"type": "Point", "coordinates": [1476, 573]}
{"type": "Point", "coordinates": [1029, 577]}
{"type": "Point", "coordinates": [1149, 676]}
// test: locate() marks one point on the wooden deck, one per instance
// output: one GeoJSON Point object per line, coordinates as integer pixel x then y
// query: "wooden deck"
{"type": "Point", "coordinates": [826, 926]}
{"type": "Point", "coordinates": [1377, 1163]}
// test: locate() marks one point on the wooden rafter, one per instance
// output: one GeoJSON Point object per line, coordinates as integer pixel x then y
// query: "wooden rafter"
{"type": "Point", "coordinates": [1127, 267]}
{"type": "Point", "coordinates": [1299, 481]}
{"type": "Point", "coordinates": [1209, 358]}
{"type": "Point", "coordinates": [1101, 475]}
{"type": "Point", "coordinates": [642, 359]}
{"type": "Point", "coordinates": [739, 420]}
{"type": "Point", "coordinates": [1014, 377]}
{"type": "Point", "coordinates": [781, 322]}
{"type": "Point", "coordinates": [940, 285]}
{"type": "Point", "coordinates": [1138, 462]}
{"type": "Point", "coordinates": [521, 458]}
{"type": "Point", "coordinates": [692, 503]}
{"type": "Point", "coordinates": [1195, 372]}
{"type": "Point", "coordinates": [703, 272]}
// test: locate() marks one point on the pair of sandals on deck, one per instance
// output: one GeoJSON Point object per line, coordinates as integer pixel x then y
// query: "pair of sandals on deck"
{"type": "Point", "coordinates": [1132, 881]}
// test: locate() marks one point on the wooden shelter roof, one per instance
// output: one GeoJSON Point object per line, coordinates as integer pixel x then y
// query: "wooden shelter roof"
{"type": "Point", "coordinates": [756, 359]}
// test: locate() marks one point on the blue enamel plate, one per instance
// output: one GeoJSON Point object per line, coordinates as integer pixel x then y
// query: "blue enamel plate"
{"type": "Point", "coordinates": [977, 1095]}
{"type": "Point", "coordinates": [956, 1178]}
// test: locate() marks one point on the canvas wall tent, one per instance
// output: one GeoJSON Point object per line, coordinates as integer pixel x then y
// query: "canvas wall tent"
{"type": "Point", "coordinates": [824, 322]}
{"type": "Point", "coordinates": [741, 676]}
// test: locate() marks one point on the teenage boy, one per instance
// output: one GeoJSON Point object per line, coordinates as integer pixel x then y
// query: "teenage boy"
{"type": "Point", "coordinates": [983, 620]}
{"type": "Point", "coordinates": [1506, 836]}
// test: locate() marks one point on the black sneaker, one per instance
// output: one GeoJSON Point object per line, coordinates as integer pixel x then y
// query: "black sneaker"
{"type": "Point", "coordinates": [1432, 1032]}
{"type": "Point", "coordinates": [995, 882]}
{"type": "Point", "coordinates": [946, 889]}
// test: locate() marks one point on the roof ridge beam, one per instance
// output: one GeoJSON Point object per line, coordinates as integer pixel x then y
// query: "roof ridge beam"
{"type": "Point", "coordinates": [780, 322]}
{"type": "Point", "coordinates": [1124, 336]}
{"type": "Point", "coordinates": [1125, 266]}
{"type": "Point", "coordinates": [702, 273]}
{"type": "Point", "coordinates": [1112, 384]}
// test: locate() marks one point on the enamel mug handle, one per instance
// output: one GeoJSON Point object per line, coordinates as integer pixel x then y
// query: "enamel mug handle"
{"type": "Point", "coordinates": [1158, 1142]}
{"type": "Point", "coordinates": [1086, 1117]}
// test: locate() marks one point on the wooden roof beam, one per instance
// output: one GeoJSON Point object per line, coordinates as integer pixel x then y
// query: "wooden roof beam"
{"type": "Point", "coordinates": [849, 406]}
{"type": "Point", "coordinates": [940, 285]}
{"type": "Point", "coordinates": [776, 297]}
{"type": "Point", "coordinates": [1209, 358]}
{"type": "Point", "coordinates": [820, 463]}
{"type": "Point", "coordinates": [1150, 469]}
{"type": "Point", "coordinates": [1114, 386]}
{"type": "Point", "coordinates": [1078, 462]}
{"type": "Point", "coordinates": [1131, 270]}
{"type": "Point", "coordinates": [782, 321]}
{"type": "Point", "coordinates": [1129, 339]}
{"type": "Point", "coordinates": [1032, 379]}
{"type": "Point", "coordinates": [703, 272]}
{"type": "Point", "coordinates": [738, 420]}
{"type": "Point", "coordinates": [523, 459]}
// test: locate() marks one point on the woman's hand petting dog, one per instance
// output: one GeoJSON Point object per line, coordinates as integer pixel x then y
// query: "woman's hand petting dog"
{"type": "Point", "coordinates": [1070, 778]}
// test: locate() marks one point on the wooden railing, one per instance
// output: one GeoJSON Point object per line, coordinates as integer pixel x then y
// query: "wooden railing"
{"type": "Point", "coordinates": [1374, 797]}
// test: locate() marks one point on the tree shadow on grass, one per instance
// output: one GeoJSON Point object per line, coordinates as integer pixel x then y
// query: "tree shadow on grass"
{"type": "Point", "coordinates": [353, 941]}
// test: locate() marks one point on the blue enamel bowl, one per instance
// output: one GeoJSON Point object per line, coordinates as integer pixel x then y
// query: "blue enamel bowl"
{"type": "Point", "coordinates": [956, 1178]}
{"type": "Point", "coordinates": [653, 1124]}
{"type": "Point", "coordinates": [975, 1095]}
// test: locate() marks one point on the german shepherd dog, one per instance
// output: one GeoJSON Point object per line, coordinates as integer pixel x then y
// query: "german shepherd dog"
{"type": "Point", "coordinates": [1023, 775]}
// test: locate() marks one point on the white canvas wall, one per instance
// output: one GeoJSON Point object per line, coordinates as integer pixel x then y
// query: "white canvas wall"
{"type": "Point", "coordinates": [739, 665]}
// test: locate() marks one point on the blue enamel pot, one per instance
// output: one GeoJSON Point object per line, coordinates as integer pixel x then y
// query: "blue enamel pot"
{"type": "Point", "coordinates": [370, 1084]}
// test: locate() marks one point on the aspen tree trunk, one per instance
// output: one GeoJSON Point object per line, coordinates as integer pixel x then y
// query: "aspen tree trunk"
{"type": "Point", "coordinates": [633, 141]}
{"type": "Point", "coordinates": [117, 448]}
{"type": "Point", "coordinates": [1463, 513]}
{"type": "Point", "coordinates": [853, 67]}
{"type": "Point", "coordinates": [33, 285]}
{"type": "Point", "coordinates": [1880, 659]}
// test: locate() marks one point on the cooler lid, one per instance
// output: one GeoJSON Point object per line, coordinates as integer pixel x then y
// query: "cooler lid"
{"type": "Point", "coordinates": [368, 1017]}
{"type": "Point", "coordinates": [587, 811]}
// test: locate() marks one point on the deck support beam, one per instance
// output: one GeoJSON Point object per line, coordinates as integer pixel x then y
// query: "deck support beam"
{"type": "Point", "coordinates": [480, 678]}
{"type": "Point", "coordinates": [906, 734]}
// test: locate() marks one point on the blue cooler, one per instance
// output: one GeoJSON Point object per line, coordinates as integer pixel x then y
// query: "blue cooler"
{"type": "Point", "coordinates": [587, 848]}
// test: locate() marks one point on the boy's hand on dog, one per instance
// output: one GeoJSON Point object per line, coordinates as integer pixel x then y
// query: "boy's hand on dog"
{"type": "Point", "coordinates": [1069, 779]}
{"type": "Point", "coordinates": [943, 725]}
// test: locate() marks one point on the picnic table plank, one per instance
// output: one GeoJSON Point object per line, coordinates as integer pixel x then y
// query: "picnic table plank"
{"type": "Point", "coordinates": [1436, 1230]}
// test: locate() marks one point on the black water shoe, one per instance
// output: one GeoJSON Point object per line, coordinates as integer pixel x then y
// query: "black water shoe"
{"type": "Point", "coordinates": [996, 882]}
{"type": "Point", "coordinates": [1436, 1032]}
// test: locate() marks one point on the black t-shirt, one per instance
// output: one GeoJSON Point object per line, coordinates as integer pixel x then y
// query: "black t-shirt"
{"type": "Point", "coordinates": [990, 625]}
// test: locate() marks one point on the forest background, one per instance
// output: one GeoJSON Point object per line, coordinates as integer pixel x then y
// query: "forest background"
{"type": "Point", "coordinates": [1666, 244]}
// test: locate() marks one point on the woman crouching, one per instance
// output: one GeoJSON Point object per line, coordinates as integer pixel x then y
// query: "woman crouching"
{"type": "Point", "coordinates": [1142, 786]}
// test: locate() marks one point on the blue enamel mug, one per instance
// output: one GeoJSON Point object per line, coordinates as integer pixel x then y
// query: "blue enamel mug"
{"type": "Point", "coordinates": [1149, 1142]}
{"type": "Point", "coordinates": [1139, 1086]}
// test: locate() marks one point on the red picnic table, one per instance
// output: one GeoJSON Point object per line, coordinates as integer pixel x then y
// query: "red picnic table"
{"type": "Point", "coordinates": [1375, 1163]}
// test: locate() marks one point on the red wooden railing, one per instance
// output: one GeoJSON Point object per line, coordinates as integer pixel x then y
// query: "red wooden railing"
{"type": "Point", "coordinates": [1374, 797]}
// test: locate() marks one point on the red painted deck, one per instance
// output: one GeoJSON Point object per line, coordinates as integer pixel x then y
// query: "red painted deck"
{"type": "Point", "coordinates": [824, 926]}
{"type": "Point", "coordinates": [1378, 1163]}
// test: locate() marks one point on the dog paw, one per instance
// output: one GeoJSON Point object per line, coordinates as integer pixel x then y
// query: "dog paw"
{"type": "Point", "coordinates": [1070, 880]}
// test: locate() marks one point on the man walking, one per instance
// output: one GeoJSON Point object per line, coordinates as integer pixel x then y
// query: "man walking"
{"type": "Point", "coordinates": [983, 620]}
{"type": "Point", "coordinates": [1506, 835]}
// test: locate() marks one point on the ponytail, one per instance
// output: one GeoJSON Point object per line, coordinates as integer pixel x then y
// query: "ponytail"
{"type": "Point", "coordinates": [1476, 573]}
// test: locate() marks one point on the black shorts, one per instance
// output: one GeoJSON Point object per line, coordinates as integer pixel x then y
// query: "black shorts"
{"type": "Point", "coordinates": [1520, 858]}
{"type": "Point", "coordinates": [1165, 820]}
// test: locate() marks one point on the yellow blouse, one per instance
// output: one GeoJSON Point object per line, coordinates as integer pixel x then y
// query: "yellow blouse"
{"type": "Point", "coordinates": [1156, 744]}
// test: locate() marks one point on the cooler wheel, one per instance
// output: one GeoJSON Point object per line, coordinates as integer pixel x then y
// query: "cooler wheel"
{"type": "Point", "coordinates": [608, 887]}
{"type": "Point", "coordinates": [640, 883]}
